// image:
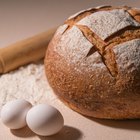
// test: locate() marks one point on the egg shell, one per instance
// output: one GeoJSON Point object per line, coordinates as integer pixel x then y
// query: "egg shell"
{"type": "Point", "coordinates": [13, 113]}
{"type": "Point", "coordinates": [44, 120]}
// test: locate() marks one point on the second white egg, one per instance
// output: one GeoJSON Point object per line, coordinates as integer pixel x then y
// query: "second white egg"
{"type": "Point", "coordinates": [44, 120]}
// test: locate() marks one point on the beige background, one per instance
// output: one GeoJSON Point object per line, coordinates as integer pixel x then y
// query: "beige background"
{"type": "Point", "coordinates": [23, 18]}
{"type": "Point", "coordinates": [20, 19]}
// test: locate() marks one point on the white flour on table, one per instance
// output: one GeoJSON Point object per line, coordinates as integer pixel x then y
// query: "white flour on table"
{"type": "Point", "coordinates": [28, 82]}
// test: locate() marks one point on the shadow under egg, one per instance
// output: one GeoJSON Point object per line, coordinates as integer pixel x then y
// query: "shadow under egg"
{"type": "Point", "coordinates": [24, 132]}
{"type": "Point", "coordinates": [66, 133]}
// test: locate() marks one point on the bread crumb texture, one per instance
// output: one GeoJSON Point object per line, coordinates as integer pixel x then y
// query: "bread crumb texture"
{"type": "Point", "coordinates": [93, 62]}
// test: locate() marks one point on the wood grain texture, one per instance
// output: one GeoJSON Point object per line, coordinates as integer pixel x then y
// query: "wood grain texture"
{"type": "Point", "coordinates": [25, 51]}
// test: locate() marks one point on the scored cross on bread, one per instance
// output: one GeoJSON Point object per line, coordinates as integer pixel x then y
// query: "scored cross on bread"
{"type": "Point", "coordinates": [102, 44]}
{"type": "Point", "coordinates": [93, 62]}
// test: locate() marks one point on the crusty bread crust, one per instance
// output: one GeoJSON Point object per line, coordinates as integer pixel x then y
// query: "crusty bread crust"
{"type": "Point", "coordinates": [93, 62]}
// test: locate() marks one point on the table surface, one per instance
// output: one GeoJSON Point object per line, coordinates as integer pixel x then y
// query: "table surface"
{"type": "Point", "coordinates": [20, 19]}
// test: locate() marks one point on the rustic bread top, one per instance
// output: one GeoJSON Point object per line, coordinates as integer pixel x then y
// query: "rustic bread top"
{"type": "Point", "coordinates": [105, 34]}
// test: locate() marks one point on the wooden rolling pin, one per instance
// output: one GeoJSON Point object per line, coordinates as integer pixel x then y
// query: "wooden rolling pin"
{"type": "Point", "coordinates": [24, 52]}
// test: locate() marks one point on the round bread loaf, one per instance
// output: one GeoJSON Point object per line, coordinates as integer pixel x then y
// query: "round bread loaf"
{"type": "Point", "coordinates": [93, 62]}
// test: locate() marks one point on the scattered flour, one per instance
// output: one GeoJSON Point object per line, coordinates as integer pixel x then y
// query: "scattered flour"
{"type": "Point", "coordinates": [28, 82]}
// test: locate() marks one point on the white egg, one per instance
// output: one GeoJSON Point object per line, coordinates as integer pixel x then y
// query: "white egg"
{"type": "Point", "coordinates": [44, 120]}
{"type": "Point", "coordinates": [13, 113]}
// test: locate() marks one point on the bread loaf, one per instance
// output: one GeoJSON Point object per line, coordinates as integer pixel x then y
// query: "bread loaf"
{"type": "Point", "coordinates": [93, 62]}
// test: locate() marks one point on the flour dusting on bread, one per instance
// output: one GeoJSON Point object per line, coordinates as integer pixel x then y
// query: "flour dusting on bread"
{"type": "Point", "coordinates": [128, 55]}
{"type": "Point", "coordinates": [73, 45]}
{"type": "Point", "coordinates": [105, 23]}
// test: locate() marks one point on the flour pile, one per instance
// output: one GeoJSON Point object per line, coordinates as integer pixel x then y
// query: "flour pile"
{"type": "Point", "coordinates": [28, 83]}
